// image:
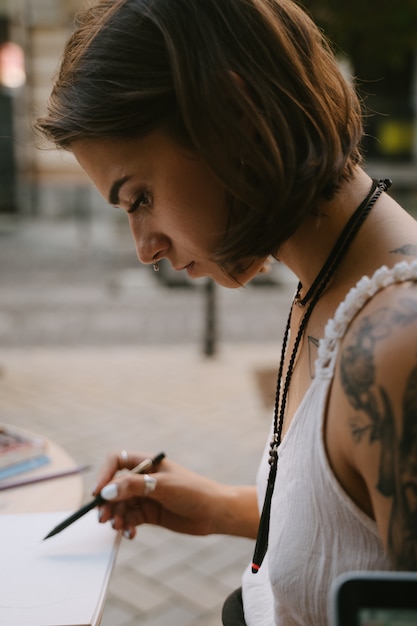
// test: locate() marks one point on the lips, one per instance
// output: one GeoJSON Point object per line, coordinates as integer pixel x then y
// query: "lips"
{"type": "Point", "coordinates": [184, 267]}
{"type": "Point", "coordinates": [189, 268]}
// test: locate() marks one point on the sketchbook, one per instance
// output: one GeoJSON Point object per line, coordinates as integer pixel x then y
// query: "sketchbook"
{"type": "Point", "coordinates": [58, 582]}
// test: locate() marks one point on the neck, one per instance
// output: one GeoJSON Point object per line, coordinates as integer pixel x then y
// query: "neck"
{"type": "Point", "coordinates": [307, 250]}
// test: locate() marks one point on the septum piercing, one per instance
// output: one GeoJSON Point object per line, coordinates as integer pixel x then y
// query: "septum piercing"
{"type": "Point", "coordinates": [155, 266]}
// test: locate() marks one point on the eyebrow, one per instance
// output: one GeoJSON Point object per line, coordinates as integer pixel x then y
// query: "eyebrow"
{"type": "Point", "coordinates": [115, 188]}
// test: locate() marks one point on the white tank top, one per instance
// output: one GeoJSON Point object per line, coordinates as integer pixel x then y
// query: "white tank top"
{"type": "Point", "coordinates": [317, 532]}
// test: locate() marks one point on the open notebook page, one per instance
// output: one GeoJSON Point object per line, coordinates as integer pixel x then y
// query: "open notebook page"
{"type": "Point", "coordinates": [58, 582]}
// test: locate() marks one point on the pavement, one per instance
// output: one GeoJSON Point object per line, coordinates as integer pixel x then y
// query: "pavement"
{"type": "Point", "coordinates": [99, 355]}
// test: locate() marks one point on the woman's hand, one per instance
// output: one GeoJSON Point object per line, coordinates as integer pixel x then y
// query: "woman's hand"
{"type": "Point", "coordinates": [182, 500]}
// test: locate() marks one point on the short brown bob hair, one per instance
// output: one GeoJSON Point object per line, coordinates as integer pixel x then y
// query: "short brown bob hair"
{"type": "Point", "coordinates": [251, 85]}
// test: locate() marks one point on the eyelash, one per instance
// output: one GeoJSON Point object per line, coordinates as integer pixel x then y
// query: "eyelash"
{"type": "Point", "coordinates": [143, 196]}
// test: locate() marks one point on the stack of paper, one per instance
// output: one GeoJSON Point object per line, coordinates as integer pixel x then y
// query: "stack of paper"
{"type": "Point", "coordinates": [58, 582]}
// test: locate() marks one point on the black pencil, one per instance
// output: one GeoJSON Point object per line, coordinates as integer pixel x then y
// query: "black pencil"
{"type": "Point", "coordinates": [142, 468]}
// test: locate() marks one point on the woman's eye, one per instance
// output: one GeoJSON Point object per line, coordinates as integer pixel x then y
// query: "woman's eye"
{"type": "Point", "coordinates": [142, 200]}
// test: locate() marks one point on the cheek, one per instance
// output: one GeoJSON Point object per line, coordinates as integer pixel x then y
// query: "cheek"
{"type": "Point", "coordinates": [203, 199]}
{"type": "Point", "coordinates": [193, 222]}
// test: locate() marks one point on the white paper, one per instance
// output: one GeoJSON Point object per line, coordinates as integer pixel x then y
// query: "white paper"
{"type": "Point", "coordinates": [58, 582]}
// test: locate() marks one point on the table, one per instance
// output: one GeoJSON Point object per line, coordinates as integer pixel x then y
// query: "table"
{"type": "Point", "coordinates": [59, 494]}
{"type": "Point", "coordinates": [76, 574]}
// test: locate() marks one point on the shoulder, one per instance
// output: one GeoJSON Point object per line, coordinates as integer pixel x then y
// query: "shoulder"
{"type": "Point", "coordinates": [376, 387]}
{"type": "Point", "coordinates": [380, 345]}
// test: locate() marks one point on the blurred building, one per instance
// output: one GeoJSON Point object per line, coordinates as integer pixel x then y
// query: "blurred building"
{"type": "Point", "coordinates": [43, 181]}
{"type": "Point", "coordinates": [32, 38]}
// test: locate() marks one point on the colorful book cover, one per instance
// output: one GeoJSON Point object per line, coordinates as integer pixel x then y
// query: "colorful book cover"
{"type": "Point", "coordinates": [17, 446]}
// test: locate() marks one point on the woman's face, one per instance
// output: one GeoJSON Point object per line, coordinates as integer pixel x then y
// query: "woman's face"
{"type": "Point", "coordinates": [175, 204]}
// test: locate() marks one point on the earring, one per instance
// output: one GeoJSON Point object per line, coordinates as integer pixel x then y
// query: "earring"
{"type": "Point", "coordinates": [155, 266]}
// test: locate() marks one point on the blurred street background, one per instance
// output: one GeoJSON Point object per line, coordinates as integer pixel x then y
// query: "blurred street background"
{"type": "Point", "coordinates": [100, 353]}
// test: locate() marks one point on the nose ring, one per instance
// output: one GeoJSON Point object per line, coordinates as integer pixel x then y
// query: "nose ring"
{"type": "Point", "coordinates": [155, 266]}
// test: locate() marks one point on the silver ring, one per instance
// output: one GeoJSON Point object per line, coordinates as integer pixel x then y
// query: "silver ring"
{"type": "Point", "coordinates": [155, 266]}
{"type": "Point", "coordinates": [124, 458]}
{"type": "Point", "coordinates": [150, 483]}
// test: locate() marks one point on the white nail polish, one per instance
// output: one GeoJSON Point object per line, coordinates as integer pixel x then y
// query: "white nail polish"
{"type": "Point", "coordinates": [110, 491]}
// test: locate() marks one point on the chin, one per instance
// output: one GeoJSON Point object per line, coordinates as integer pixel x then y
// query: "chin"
{"type": "Point", "coordinates": [229, 282]}
{"type": "Point", "coordinates": [235, 281]}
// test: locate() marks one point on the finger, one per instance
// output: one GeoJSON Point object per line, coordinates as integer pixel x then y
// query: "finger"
{"type": "Point", "coordinates": [133, 516]}
{"type": "Point", "coordinates": [130, 533]}
{"type": "Point", "coordinates": [116, 461]}
{"type": "Point", "coordinates": [105, 513]}
{"type": "Point", "coordinates": [107, 471]}
{"type": "Point", "coordinates": [129, 486]}
{"type": "Point", "coordinates": [127, 459]}
{"type": "Point", "coordinates": [116, 513]}
{"type": "Point", "coordinates": [124, 516]}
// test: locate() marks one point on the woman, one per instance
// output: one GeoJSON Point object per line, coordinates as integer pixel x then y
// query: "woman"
{"type": "Point", "coordinates": [226, 132]}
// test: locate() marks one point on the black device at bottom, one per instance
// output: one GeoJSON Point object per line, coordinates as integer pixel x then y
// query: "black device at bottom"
{"type": "Point", "coordinates": [374, 599]}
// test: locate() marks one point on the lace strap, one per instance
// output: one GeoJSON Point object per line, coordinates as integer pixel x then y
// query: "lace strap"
{"type": "Point", "coordinates": [355, 300]}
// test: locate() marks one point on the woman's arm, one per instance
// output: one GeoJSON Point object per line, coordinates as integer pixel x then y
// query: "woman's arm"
{"type": "Point", "coordinates": [182, 501]}
{"type": "Point", "coordinates": [377, 374]}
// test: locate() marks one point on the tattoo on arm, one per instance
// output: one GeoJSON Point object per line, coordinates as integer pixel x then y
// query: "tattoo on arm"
{"type": "Point", "coordinates": [313, 345]}
{"type": "Point", "coordinates": [405, 530]}
{"type": "Point", "coordinates": [374, 419]}
{"type": "Point", "coordinates": [409, 249]}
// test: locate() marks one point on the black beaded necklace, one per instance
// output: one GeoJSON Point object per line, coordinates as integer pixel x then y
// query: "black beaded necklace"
{"type": "Point", "coordinates": [312, 296]}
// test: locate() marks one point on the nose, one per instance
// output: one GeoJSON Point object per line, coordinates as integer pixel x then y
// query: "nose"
{"type": "Point", "coordinates": [151, 248]}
